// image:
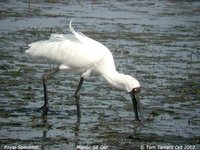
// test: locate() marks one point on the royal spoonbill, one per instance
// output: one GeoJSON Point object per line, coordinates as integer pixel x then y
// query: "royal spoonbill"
{"type": "Point", "coordinates": [80, 54]}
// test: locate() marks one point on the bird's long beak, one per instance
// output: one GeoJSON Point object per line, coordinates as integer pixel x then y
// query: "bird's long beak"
{"type": "Point", "coordinates": [136, 102]}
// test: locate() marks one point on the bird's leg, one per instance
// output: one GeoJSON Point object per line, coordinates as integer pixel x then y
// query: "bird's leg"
{"type": "Point", "coordinates": [45, 77]}
{"type": "Point", "coordinates": [77, 97]}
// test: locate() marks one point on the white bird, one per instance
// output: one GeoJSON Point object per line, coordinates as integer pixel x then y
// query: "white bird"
{"type": "Point", "coordinates": [80, 54]}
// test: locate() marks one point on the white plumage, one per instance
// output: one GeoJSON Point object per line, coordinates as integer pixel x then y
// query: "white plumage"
{"type": "Point", "coordinates": [78, 53]}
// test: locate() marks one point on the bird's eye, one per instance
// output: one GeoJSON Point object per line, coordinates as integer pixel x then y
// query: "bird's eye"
{"type": "Point", "coordinates": [136, 90]}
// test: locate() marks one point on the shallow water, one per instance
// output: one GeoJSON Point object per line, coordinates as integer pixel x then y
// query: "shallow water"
{"type": "Point", "coordinates": [157, 42]}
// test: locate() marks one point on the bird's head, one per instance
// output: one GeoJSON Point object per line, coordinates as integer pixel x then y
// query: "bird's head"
{"type": "Point", "coordinates": [133, 87]}
{"type": "Point", "coordinates": [130, 85]}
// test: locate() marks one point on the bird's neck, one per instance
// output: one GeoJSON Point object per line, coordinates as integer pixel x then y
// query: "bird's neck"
{"type": "Point", "coordinates": [114, 78]}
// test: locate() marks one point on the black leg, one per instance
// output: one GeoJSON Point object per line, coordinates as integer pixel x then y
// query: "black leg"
{"type": "Point", "coordinates": [77, 97]}
{"type": "Point", "coordinates": [45, 77]}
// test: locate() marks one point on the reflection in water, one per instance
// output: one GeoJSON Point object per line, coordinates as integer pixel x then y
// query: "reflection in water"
{"type": "Point", "coordinates": [44, 136]}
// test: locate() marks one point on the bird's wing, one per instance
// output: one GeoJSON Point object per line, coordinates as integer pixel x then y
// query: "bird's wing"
{"type": "Point", "coordinates": [67, 52]}
{"type": "Point", "coordinates": [61, 37]}
{"type": "Point", "coordinates": [75, 52]}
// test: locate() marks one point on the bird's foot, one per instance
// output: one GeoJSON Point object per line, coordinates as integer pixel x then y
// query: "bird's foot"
{"type": "Point", "coordinates": [138, 122]}
{"type": "Point", "coordinates": [44, 109]}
